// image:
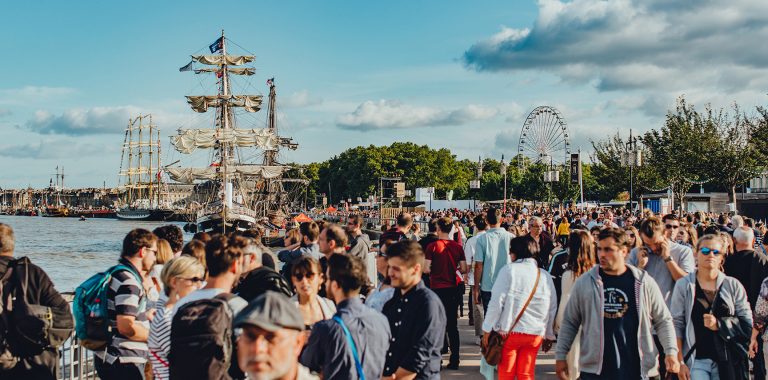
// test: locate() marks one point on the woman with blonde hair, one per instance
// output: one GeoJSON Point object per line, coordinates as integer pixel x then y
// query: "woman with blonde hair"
{"type": "Point", "coordinates": [180, 276]}
{"type": "Point", "coordinates": [711, 314]}
{"type": "Point", "coordinates": [163, 255]}
{"type": "Point", "coordinates": [581, 258]}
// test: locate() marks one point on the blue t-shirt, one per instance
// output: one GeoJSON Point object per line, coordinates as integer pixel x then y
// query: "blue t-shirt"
{"type": "Point", "coordinates": [492, 249]}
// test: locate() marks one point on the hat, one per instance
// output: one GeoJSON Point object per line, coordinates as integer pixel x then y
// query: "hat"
{"type": "Point", "coordinates": [270, 311]}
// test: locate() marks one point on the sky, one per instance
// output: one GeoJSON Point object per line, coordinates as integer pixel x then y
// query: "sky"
{"type": "Point", "coordinates": [459, 75]}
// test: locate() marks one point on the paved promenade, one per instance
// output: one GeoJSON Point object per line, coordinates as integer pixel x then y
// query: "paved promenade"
{"type": "Point", "coordinates": [470, 356]}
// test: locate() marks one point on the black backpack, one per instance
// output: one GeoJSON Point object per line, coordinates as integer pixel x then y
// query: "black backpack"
{"type": "Point", "coordinates": [259, 281]}
{"type": "Point", "coordinates": [26, 330]}
{"type": "Point", "coordinates": [201, 339]}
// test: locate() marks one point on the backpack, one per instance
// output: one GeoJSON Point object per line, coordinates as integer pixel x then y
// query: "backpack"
{"type": "Point", "coordinates": [92, 326]}
{"type": "Point", "coordinates": [201, 339]}
{"type": "Point", "coordinates": [26, 330]}
{"type": "Point", "coordinates": [261, 280]}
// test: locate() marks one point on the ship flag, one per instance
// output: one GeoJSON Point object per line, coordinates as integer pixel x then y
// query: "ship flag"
{"type": "Point", "coordinates": [217, 45]}
{"type": "Point", "coordinates": [270, 81]}
{"type": "Point", "coordinates": [187, 67]}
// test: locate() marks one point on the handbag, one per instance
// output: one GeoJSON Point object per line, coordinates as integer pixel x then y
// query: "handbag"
{"type": "Point", "coordinates": [492, 351]}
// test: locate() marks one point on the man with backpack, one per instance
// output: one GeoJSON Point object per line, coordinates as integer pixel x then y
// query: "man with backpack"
{"type": "Point", "coordinates": [356, 339]}
{"type": "Point", "coordinates": [259, 278]}
{"type": "Point", "coordinates": [201, 327]}
{"type": "Point", "coordinates": [126, 352]}
{"type": "Point", "coordinates": [35, 296]}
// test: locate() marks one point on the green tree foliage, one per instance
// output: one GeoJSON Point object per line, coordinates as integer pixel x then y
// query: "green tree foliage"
{"type": "Point", "coordinates": [738, 156]}
{"type": "Point", "coordinates": [356, 171]}
{"type": "Point", "coordinates": [679, 151]}
{"type": "Point", "coordinates": [611, 177]}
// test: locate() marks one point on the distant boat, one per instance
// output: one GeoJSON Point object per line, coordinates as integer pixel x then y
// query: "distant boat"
{"type": "Point", "coordinates": [141, 180]}
{"type": "Point", "coordinates": [60, 210]}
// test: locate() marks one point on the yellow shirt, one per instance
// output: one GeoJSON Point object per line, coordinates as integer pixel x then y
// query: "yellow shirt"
{"type": "Point", "coordinates": [564, 229]}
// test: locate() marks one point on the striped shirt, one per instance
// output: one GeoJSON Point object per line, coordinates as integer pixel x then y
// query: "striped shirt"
{"type": "Point", "coordinates": [125, 296]}
{"type": "Point", "coordinates": [159, 342]}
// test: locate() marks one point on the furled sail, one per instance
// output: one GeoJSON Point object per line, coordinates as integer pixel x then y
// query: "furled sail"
{"type": "Point", "coordinates": [223, 59]}
{"type": "Point", "coordinates": [190, 139]}
{"type": "Point", "coordinates": [250, 103]}
{"type": "Point", "coordinates": [189, 175]}
{"type": "Point", "coordinates": [231, 70]}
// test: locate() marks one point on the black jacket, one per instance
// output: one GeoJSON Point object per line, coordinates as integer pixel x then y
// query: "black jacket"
{"type": "Point", "coordinates": [40, 291]}
{"type": "Point", "coordinates": [750, 268]}
{"type": "Point", "coordinates": [732, 342]}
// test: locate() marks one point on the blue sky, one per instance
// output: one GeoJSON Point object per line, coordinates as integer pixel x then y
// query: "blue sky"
{"type": "Point", "coordinates": [461, 75]}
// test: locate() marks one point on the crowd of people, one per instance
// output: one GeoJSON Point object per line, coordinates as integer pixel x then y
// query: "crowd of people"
{"type": "Point", "coordinates": [616, 295]}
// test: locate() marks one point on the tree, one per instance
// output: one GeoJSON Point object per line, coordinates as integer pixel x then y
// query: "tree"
{"type": "Point", "coordinates": [679, 151]}
{"type": "Point", "coordinates": [612, 177]}
{"type": "Point", "coordinates": [738, 156]}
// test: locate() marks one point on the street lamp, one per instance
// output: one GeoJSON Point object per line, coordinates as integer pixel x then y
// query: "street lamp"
{"type": "Point", "coordinates": [632, 156]}
{"type": "Point", "coordinates": [504, 172]}
{"type": "Point", "coordinates": [475, 184]}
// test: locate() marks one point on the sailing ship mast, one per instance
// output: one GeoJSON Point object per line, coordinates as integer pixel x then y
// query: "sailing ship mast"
{"type": "Point", "coordinates": [236, 202]}
{"type": "Point", "coordinates": [141, 183]}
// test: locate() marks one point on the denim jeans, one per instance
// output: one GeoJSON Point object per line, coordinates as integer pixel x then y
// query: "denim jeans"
{"type": "Point", "coordinates": [704, 369]}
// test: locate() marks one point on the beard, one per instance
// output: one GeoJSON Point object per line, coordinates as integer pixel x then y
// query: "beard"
{"type": "Point", "coordinates": [275, 372]}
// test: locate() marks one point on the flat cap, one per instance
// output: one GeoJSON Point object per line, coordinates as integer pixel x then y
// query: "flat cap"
{"type": "Point", "coordinates": [270, 311]}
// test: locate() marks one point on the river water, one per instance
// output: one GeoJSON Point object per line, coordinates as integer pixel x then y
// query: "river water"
{"type": "Point", "coordinates": [70, 250]}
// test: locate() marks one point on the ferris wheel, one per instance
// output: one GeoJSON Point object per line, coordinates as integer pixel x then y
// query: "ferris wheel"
{"type": "Point", "coordinates": [544, 138]}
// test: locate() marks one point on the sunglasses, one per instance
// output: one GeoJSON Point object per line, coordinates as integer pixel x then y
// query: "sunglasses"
{"type": "Point", "coordinates": [707, 251]}
{"type": "Point", "coordinates": [672, 226]}
{"type": "Point", "coordinates": [631, 235]}
{"type": "Point", "coordinates": [300, 276]}
{"type": "Point", "coordinates": [194, 279]}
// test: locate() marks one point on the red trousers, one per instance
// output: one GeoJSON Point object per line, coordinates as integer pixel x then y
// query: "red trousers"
{"type": "Point", "coordinates": [518, 357]}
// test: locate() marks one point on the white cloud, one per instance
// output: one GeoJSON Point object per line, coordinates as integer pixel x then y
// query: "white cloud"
{"type": "Point", "coordinates": [76, 122]}
{"type": "Point", "coordinates": [300, 99]}
{"type": "Point", "coordinates": [392, 114]}
{"type": "Point", "coordinates": [33, 94]}
{"type": "Point", "coordinates": [56, 148]}
{"type": "Point", "coordinates": [653, 45]}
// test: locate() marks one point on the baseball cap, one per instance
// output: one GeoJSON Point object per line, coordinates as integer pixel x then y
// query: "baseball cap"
{"type": "Point", "coordinates": [270, 311]}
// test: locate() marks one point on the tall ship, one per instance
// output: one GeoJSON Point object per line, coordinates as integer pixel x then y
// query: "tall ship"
{"type": "Point", "coordinates": [55, 207]}
{"type": "Point", "coordinates": [244, 180]}
{"type": "Point", "coordinates": [140, 184]}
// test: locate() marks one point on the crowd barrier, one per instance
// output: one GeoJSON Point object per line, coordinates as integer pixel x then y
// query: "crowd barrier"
{"type": "Point", "coordinates": [75, 362]}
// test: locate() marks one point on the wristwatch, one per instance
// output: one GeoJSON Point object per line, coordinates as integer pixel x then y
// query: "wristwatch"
{"type": "Point", "coordinates": [668, 259]}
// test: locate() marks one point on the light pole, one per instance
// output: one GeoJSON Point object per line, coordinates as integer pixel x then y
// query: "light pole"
{"type": "Point", "coordinates": [504, 172]}
{"type": "Point", "coordinates": [475, 184]}
{"type": "Point", "coordinates": [632, 157]}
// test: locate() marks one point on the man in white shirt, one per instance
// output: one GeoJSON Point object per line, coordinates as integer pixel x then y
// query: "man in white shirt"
{"type": "Point", "coordinates": [475, 315]}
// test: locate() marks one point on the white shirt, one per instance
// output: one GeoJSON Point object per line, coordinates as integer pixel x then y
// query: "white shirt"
{"type": "Point", "coordinates": [236, 303]}
{"type": "Point", "coordinates": [469, 254]}
{"type": "Point", "coordinates": [511, 290]}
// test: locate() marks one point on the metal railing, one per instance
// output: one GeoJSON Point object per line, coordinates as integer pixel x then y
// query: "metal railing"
{"type": "Point", "coordinates": [75, 361]}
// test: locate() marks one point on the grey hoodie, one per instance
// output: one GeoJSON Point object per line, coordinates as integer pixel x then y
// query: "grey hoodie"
{"type": "Point", "coordinates": [360, 246]}
{"type": "Point", "coordinates": [730, 291]}
{"type": "Point", "coordinates": [585, 310]}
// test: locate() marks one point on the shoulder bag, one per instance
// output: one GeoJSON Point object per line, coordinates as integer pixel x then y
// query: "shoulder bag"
{"type": "Point", "coordinates": [492, 350]}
